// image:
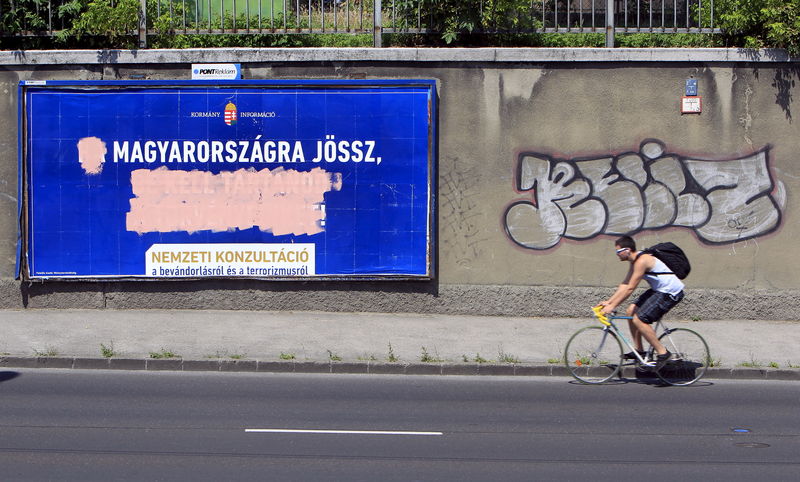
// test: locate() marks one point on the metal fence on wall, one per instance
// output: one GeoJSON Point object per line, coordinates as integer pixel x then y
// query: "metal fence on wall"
{"type": "Point", "coordinates": [375, 17]}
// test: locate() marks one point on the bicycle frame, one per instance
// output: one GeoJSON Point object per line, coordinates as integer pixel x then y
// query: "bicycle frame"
{"type": "Point", "coordinates": [608, 321]}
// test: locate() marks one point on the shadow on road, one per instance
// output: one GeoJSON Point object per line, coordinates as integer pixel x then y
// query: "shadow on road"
{"type": "Point", "coordinates": [6, 376]}
{"type": "Point", "coordinates": [643, 380]}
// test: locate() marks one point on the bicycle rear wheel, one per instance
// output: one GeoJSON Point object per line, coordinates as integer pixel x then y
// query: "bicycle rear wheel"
{"type": "Point", "coordinates": [593, 355]}
{"type": "Point", "coordinates": [690, 357]}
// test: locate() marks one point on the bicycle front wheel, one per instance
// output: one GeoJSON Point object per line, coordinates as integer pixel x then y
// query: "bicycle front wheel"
{"type": "Point", "coordinates": [690, 357]}
{"type": "Point", "coordinates": [593, 355]}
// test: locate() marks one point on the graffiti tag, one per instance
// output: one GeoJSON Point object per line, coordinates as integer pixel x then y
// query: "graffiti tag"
{"type": "Point", "coordinates": [721, 201]}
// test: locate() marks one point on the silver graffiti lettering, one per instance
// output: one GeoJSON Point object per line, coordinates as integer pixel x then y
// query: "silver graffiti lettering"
{"type": "Point", "coordinates": [621, 197]}
{"type": "Point", "coordinates": [561, 207]}
{"type": "Point", "coordinates": [739, 191]}
{"type": "Point", "coordinates": [721, 201]}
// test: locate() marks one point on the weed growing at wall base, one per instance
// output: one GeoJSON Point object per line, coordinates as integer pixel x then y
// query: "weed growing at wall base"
{"type": "Point", "coordinates": [164, 353]}
{"type": "Point", "coordinates": [426, 357]}
{"type": "Point", "coordinates": [107, 351]}
{"type": "Point", "coordinates": [504, 357]}
{"type": "Point", "coordinates": [49, 351]}
{"type": "Point", "coordinates": [753, 363]}
{"type": "Point", "coordinates": [479, 359]}
{"type": "Point", "coordinates": [392, 357]}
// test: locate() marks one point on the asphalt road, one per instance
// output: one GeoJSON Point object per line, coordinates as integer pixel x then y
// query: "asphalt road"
{"type": "Point", "coordinates": [104, 425]}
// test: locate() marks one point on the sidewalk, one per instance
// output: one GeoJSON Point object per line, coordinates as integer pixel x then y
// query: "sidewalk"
{"type": "Point", "coordinates": [350, 342]}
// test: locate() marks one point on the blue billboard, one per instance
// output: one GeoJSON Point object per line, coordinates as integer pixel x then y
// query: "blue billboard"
{"type": "Point", "coordinates": [239, 179]}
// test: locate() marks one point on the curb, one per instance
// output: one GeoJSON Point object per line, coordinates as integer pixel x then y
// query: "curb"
{"type": "Point", "coordinates": [367, 367]}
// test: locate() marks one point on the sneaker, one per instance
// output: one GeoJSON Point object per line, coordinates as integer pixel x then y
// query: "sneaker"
{"type": "Point", "coordinates": [631, 356]}
{"type": "Point", "coordinates": [662, 360]}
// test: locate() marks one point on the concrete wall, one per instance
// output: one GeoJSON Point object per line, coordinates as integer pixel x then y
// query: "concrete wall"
{"type": "Point", "coordinates": [545, 157]}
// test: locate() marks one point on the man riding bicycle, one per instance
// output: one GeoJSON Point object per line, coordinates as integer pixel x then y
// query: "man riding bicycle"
{"type": "Point", "coordinates": [666, 291]}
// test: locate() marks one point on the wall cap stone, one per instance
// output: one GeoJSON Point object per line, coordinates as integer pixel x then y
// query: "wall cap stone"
{"type": "Point", "coordinates": [482, 55]}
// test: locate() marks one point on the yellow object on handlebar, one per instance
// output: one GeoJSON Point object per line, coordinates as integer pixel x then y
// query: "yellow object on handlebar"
{"type": "Point", "coordinates": [598, 312]}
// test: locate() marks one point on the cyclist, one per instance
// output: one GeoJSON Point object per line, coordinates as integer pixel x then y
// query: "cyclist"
{"type": "Point", "coordinates": [666, 290]}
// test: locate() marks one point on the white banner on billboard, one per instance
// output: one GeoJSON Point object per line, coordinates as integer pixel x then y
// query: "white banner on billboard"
{"type": "Point", "coordinates": [230, 260]}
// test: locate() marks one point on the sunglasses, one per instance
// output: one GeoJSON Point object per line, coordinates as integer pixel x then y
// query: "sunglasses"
{"type": "Point", "coordinates": [621, 250]}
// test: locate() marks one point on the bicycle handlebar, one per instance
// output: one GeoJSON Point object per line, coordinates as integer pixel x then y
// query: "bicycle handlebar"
{"type": "Point", "coordinates": [598, 312]}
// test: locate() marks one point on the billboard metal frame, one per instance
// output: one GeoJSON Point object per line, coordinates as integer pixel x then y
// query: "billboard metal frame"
{"type": "Point", "coordinates": [24, 187]}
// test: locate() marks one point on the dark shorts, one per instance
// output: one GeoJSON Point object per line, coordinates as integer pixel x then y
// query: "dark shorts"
{"type": "Point", "coordinates": [652, 305]}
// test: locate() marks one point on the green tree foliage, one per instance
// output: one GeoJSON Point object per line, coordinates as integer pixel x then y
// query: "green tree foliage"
{"type": "Point", "coordinates": [761, 23]}
{"type": "Point", "coordinates": [24, 16]}
{"type": "Point", "coordinates": [782, 22]}
{"type": "Point", "coordinates": [507, 23]}
{"type": "Point", "coordinates": [456, 20]}
{"type": "Point", "coordinates": [115, 22]}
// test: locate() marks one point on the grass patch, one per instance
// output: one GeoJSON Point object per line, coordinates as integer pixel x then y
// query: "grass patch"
{"type": "Point", "coordinates": [164, 353]}
{"type": "Point", "coordinates": [583, 361]}
{"type": "Point", "coordinates": [553, 361]}
{"type": "Point", "coordinates": [504, 357]}
{"type": "Point", "coordinates": [287, 356]}
{"type": "Point", "coordinates": [49, 351]}
{"type": "Point", "coordinates": [426, 357]}
{"type": "Point", "coordinates": [224, 354]}
{"type": "Point", "coordinates": [333, 356]}
{"type": "Point", "coordinates": [479, 359]}
{"type": "Point", "coordinates": [753, 363]}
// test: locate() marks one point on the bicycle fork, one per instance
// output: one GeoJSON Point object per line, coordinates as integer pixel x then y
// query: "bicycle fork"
{"type": "Point", "coordinates": [599, 349]}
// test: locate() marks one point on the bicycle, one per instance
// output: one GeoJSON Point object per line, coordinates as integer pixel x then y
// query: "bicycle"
{"type": "Point", "coordinates": [594, 354]}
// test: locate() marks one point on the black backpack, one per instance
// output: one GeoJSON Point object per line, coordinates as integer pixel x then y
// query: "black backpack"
{"type": "Point", "coordinates": [672, 256]}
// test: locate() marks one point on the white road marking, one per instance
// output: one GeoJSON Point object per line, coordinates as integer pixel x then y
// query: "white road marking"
{"type": "Point", "coordinates": [345, 432]}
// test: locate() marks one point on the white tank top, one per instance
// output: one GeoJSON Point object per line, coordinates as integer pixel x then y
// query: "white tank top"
{"type": "Point", "coordinates": [664, 283]}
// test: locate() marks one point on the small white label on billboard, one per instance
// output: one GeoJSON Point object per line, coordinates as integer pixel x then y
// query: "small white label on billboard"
{"type": "Point", "coordinates": [230, 260]}
{"type": "Point", "coordinates": [216, 71]}
{"type": "Point", "coordinates": [691, 105]}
